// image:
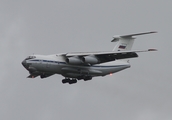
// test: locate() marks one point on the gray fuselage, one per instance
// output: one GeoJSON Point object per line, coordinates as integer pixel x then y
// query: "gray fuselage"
{"type": "Point", "coordinates": [56, 64]}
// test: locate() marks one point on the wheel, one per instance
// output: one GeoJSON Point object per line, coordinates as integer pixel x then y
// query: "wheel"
{"type": "Point", "coordinates": [65, 81]}
{"type": "Point", "coordinates": [80, 77]}
{"type": "Point", "coordinates": [87, 78]}
{"type": "Point", "coordinates": [42, 76]}
{"type": "Point", "coordinates": [72, 81]}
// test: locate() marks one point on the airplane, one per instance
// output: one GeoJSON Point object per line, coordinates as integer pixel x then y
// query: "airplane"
{"type": "Point", "coordinates": [85, 65]}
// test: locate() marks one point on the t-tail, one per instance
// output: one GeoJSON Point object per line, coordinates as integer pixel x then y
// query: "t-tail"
{"type": "Point", "coordinates": [125, 42]}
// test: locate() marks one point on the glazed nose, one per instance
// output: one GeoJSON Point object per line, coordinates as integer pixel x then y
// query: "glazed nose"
{"type": "Point", "coordinates": [24, 63]}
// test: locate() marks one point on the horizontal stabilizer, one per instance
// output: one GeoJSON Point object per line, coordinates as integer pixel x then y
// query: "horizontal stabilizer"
{"type": "Point", "coordinates": [117, 37]}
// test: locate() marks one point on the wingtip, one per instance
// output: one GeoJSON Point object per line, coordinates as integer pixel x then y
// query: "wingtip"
{"type": "Point", "coordinates": [154, 32]}
{"type": "Point", "coordinates": [152, 50]}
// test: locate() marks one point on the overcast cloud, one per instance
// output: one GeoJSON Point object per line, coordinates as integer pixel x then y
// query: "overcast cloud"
{"type": "Point", "coordinates": [142, 92]}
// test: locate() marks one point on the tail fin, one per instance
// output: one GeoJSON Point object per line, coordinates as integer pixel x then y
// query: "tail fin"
{"type": "Point", "coordinates": [125, 42]}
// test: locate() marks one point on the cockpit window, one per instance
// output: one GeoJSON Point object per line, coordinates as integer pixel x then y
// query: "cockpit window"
{"type": "Point", "coordinates": [30, 57]}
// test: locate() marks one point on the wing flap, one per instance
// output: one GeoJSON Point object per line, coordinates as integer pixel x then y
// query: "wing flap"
{"type": "Point", "coordinates": [116, 56]}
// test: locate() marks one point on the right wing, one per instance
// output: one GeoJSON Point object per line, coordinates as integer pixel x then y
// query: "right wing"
{"type": "Point", "coordinates": [102, 57]}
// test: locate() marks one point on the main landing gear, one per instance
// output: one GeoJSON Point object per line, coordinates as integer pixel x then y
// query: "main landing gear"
{"type": "Point", "coordinates": [70, 81]}
{"type": "Point", "coordinates": [74, 80]}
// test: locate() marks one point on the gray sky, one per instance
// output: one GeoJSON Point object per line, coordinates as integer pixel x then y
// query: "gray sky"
{"type": "Point", "coordinates": [142, 92]}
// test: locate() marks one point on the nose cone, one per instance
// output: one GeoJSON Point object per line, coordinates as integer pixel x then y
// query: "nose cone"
{"type": "Point", "coordinates": [24, 63]}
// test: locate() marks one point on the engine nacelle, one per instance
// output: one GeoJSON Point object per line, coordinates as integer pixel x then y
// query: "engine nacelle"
{"type": "Point", "coordinates": [90, 59]}
{"type": "Point", "coordinates": [74, 60]}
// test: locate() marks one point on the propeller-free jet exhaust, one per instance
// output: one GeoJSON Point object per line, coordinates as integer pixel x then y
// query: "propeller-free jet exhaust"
{"type": "Point", "coordinates": [84, 65]}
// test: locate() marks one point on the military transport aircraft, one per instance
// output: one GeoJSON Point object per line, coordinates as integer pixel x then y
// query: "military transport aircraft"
{"type": "Point", "coordinates": [85, 65]}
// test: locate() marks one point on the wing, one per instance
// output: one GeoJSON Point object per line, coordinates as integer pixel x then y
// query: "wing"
{"type": "Point", "coordinates": [101, 57]}
{"type": "Point", "coordinates": [43, 75]}
{"type": "Point", "coordinates": [32, 76]}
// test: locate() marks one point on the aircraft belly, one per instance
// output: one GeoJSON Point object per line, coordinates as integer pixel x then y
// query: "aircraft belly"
{"type": "Point", "coordinates": [110, 69]}
{"type": "Point", "coordinates": [74, 71]}
{"type": "Point", "coordinates": [80, 70]}
{"type": "Point", "coordinates": [91, 70]}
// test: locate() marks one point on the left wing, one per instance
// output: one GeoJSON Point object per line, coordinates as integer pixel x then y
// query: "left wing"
{"type": "Point", "coordinates": [101, 57]}
{"type": "Point", "coordinates": [43, 75]}
{"type": "Point", "coordinates": [32, 76]}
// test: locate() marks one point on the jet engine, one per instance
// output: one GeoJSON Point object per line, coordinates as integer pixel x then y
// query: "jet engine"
{"type": "Point", "coordinates": [74, 60]}
{"type": "Point", "coordinates": [90, 59]}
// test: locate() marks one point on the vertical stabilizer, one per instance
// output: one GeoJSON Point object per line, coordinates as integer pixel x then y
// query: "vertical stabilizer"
{"type": "Point", "coordinates": [124, 44]}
